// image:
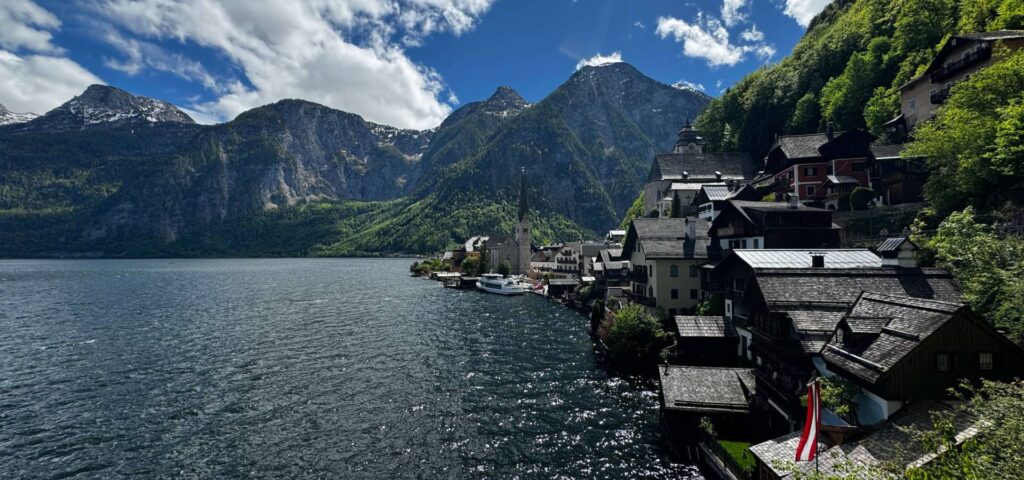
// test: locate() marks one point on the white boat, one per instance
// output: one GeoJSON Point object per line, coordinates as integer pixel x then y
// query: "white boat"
{"type": "Point", "coordinates": [495, 283]}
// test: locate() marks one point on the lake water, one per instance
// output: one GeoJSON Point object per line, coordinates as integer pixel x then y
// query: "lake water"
{"type": "Point", "coordinates": [341, 368]}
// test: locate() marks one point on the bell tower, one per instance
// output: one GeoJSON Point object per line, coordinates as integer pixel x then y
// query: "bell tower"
{"type": "Point", "coordinates": [688, 140]}
{"type": "Point", "coordinates": [523, 226]}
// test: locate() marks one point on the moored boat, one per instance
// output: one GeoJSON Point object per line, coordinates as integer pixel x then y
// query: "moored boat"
{"type": "Point", "coordinates": [494, 283]}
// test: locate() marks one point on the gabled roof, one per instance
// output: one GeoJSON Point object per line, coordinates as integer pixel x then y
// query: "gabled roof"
{"type": "Point", "coordinates": [957, 40]}
{"type": "Point", "coordinates": [716, 192]}
{"type": "Point", "coordinates": [744, 207]}
{"type": "Point", "coordinates": [844, 286]}
{"type": "Point", "coordinates": [894, 441]}
{"type": "Point", "coordinates": [884, 152]}
{"type": "Point", "coordinates": [837, 258]}
{"type": "Point", "coordinates": [704, 327]}
{"type": "Point", "coordinates": [892, 244]}
{"type": "Point", "coordinates": [801, 146]}
{"type": "Point", "coordinates": [707, 389]}
{"type": "Point", "coordinates": [666, 238]}
{"type": "Point", "coordinates": [670, 166]}
{"type": "Point", "coordinates": [911, 321]}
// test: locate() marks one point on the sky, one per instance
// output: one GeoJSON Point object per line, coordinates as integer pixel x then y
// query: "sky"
{"type": "Point", "coordinates": [405, 63]}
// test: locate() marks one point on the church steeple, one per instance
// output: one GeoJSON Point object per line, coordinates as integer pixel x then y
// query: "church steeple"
{"type": "Point", "coordinates": [688, 139]}
{"type": "Point", "coordinates": [523, 207]}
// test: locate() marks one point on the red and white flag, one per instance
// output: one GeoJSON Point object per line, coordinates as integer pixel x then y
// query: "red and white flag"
{"type": "Point", "coordinates": [807, 449]}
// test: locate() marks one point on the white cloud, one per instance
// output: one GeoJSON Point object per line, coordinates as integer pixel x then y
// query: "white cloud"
{"type": "Point", "coordinates": [38, 83]}
{"type": "Point", "coordinates": [684, 84]}
{"type": "Point", "coordinates": [452, 98]}
{"type": "Point", "coordinates": [25, 25]}
{"type": "Point", "coordinates": [803, 11]}
{"type": "Point", "coordinates": [34, 77]}
{"type": "Point", "coordinates": [307, 49]}
{"type": "Point", "coordinates": [708, 38]}
{"type": "Point", "coordinates": [140, 55]}
{"type": "Point", "coordinates": [639, 24]}
{"type": "Point", "coordinates": [599, 59]}
{"type": "Point", "coordinates": [731, 12]}
{"type": "Point", "coordinates": [752, 34]}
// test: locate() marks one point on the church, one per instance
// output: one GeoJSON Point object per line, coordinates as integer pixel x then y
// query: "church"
{"type": "Point", "coordinates": [515, 248]}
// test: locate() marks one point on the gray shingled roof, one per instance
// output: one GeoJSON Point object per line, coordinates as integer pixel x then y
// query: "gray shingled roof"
{"type": "Point", "coordinates": [716, 192]}
{"type": "Point", "coordinates": [801, 258]}
{"type": "Point", "coordinates": [887, 151]}
{"type": "Point", "coordinates": [707, 389]}
{"type": "Point", "coordinates": [802, 146]}
{"type": "Point", "coordinates": [891, 244]}
{"type": "Point", "coordinates": [704, 327]}
{"type": "Point", "coordinates": [893, 442]}
{"type": "Point", "coordinates": [665, 237]}
{"type": "Point", "coordinates": [843, 286]}
{"type": "Point", "coordinates": [702, 165]}
{"type": "Point", "coordinates": [911, 321]}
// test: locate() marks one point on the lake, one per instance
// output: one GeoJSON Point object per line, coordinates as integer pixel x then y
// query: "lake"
{"type": "Point", "coordinates": [303, 368]}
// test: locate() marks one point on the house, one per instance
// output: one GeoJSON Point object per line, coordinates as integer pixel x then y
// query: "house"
{"type": "Point", "coordinates": [542, 260]}
{"type": "Point", "coordinates": [755, 225]}
{"type": "Point", "coordinates": [725, 395]}
{"type": "Point", "coordinates": [898, 179]}
{"type": "Point", "coordinates": [569, 260]}
{"type": "Point", "coordinates": [787, 305]}
{"type": "Point", "coordinates": [689, 166]}
{"type": "Point", "coordinates": [513, 249]}
{"type": "Point", "coordinates": [869, 453]}
{"type": "Point", "coordinates": [822, 168]}
{"type": "Point", "coordinates": [897, 252]}
{"type": "Point", "coordinates": [611, 273]}
{"type": "Point", "coordinates": [615, 236]}
{"type": "Point", "coordinates": [706, 340]}
{"type": "Point", "coordinates": [900, 349]}
{"type": "Point", "coordinates": [959, 58]}
{"type": "Point", "coordinates": [711, 198]}
{"type": "Point", "coordinates": [665, 255]}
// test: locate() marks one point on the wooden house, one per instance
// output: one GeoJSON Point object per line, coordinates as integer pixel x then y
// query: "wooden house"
{"type": "Point", "coordinates": [820, 168]}
{"type": "Point", "coordinates": [756, 225]}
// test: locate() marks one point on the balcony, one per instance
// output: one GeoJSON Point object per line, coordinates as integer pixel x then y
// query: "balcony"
{"type": "Point", "coordinates": [641, 299]}
{"type": "Point", "coordinates": [950, 69]}
{"type": "Point", "coordinates": [939, 97]}
{"type": "Point", "coordinates": [638, 277]}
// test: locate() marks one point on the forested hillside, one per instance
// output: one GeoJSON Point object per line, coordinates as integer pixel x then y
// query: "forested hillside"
{"type": "Point", "coordinates": [847, 70]}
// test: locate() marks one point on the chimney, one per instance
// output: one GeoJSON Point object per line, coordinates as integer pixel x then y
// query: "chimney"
{"type": "Point", "coordinates": [830, 130]}
{"type": "Point", "coordinates": [686, 174]}
{"type": "Point", "coordinates": [718, 175]}
{"type": "Point", "coordinates": [794, 200]}
{"type": "Point", "coordinates": [817, 260]}
{"type": "Point", "coordinates": [691, 229]}
{"type": "Point", "coordinates": [731, 185]}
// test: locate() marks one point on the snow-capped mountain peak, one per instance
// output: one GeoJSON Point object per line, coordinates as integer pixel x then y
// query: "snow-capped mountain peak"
{"type": "Point", "coordinates": [8, 117]}
{"type": "Point", "coordinates": [104, 106]}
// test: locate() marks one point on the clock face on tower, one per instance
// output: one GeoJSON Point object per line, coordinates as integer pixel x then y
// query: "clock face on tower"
{"type": "Point", "coordinates": [693, 146]}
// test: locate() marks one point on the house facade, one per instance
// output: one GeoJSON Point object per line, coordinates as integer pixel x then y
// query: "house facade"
{"type": "Point", "coordinates": [683, 171]}
{"type": "Point", "coordinates": [820, 168]}
{"type": "Point", "coordinates": [758, 225]}
{"type": "Point", "coordinates": [959, 58]}
{"type": "Point", "coordinates": [665, 256]}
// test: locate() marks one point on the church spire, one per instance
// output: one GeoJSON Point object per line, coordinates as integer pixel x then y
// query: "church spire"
{"type": "Point", "coordinates": [523, 208]}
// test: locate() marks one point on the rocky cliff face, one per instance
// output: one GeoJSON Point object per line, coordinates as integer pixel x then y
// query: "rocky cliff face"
{"type": "Point", "coordinates": [102, 106]}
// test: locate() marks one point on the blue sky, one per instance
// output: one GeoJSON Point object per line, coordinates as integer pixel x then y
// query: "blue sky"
{"type": "Point", "coordinates": [406, 63]}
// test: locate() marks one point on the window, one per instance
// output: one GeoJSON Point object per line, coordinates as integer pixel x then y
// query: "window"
{"type": "Point", "coordinates": [739, 284]}
{"type": "Point", "coordinates": [675, 294]}
{"type": "Point", "coordinates": [985, 361]}
{"type": "Point", "coordinates": [810, 190]}
{"type": "Point", "coordinates": [673, 271]}
{"type": "Point", "coordinates": [858, 166]}
{"type": "Point", "coordinates": [810, 171]}
{"type": "Point", "coordinates": [650, 272]}
{"type": "Point", "coordinates": [693, 293]}
{"type": "Point", "coordinates": [757, 243]}
{"type": "Point", "coordinates": [942, 362]}
{"type": "Point", "coordinates": [912, 103]}
{"type": "Point", "coordinates": [694, 271]}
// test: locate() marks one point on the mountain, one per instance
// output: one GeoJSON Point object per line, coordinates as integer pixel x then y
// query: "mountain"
{"type": "Point", "coordinates": [106, 107]}
{"type": "Point", "coordinates": [297, 178]}
{"type": "Point", "coordinates": [8, 117]}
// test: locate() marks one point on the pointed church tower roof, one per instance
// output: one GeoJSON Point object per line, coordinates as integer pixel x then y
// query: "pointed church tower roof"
{"type": "Point", "coordinates": [523, 207]}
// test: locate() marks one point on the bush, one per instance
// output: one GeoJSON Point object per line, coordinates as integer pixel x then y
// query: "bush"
{"type": "Point", "coordinates": [713, 305]}
{"type": "Point", "coordinates": [504, 269]}
{"type": "Point", "coordinates": [860, 198]}
{"type": "Point", "coordinates": [634, 338]}
{"type": "Point", "coordinates": [471, 266]}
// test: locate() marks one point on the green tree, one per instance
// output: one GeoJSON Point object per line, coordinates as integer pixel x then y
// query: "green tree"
{"type": "Point", "coordinates": [860, 198]}
{"type": "Point", "coordinates": [654, 213]}
{"type": "Point", "coordinates": [471, 266]}
{"type": "Point", "coordinates": [634, 338]}
{"type": "Point", "coordinates": [713, 305]}
{"type": "Point", "coordinates": [989, 267]}
{"type": "Point", "coordinates": [504, 268]}
{"type": "Point", "coordinates": [677, 207]}
{"type": "Point", "coordinates": [635, 211]}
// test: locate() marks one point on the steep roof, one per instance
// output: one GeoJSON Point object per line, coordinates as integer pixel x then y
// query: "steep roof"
{"type": "Point", "coordinates": [844, 286]}
{"type": "Point", "coordinates": [894, 441]}
{"type": "Point", "coordinates": [666, 238]}
{"type": "Point", "coordinates": [887, 151]}
{"type": "Point", "coordinates": [716, 192]}
{"type": "Point", "coordinates": [707, 389]}
{"type": "Point", "coordinates": [670, 166]}
{"type": "Point", "coordinates": [801, 146]}
{"type": "Point", "coordinates": [910, 322]}
{"type": "Point", "coordinates": [837, 258]}
{"type": "Point", "coordinates": [704, 326]}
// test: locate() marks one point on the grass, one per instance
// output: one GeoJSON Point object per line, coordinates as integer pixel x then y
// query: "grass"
{"type": "Point", "coordinates": [740, 453]}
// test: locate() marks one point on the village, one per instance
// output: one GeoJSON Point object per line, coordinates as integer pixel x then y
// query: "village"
{"type": "Point", "coordinates": [750, 266]}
